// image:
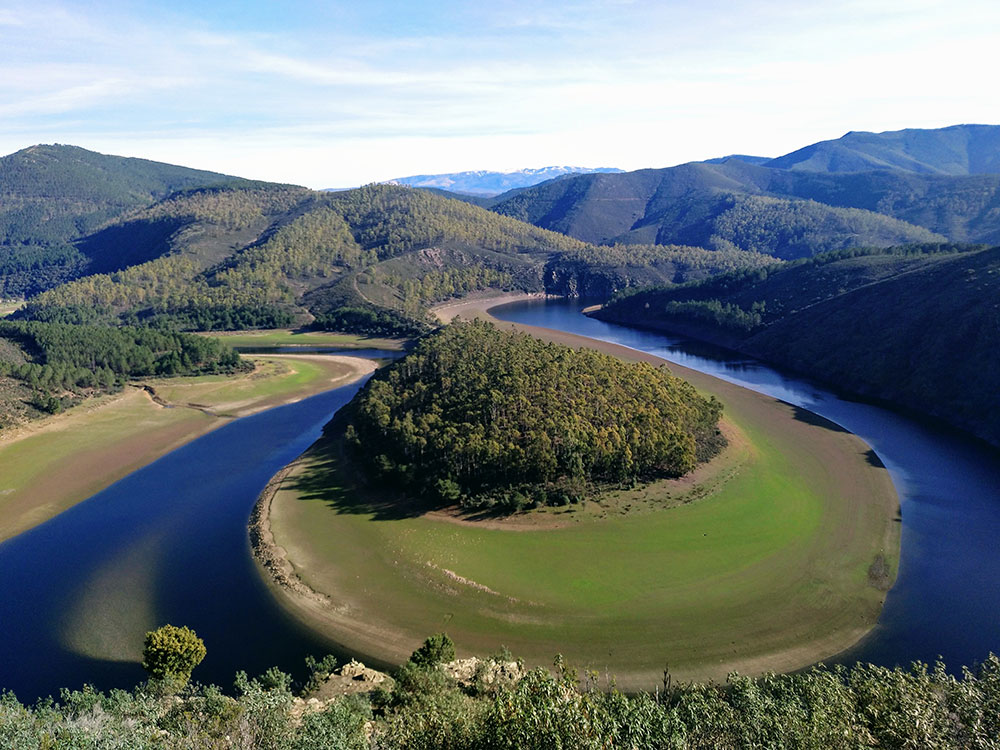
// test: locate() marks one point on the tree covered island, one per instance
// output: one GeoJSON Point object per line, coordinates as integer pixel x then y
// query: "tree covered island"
{"type": "Point", "coordinates": [501, 420]}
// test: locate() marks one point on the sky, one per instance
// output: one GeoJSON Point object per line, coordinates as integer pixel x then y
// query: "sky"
{"type": "Point", "coordinates": [337, 94]}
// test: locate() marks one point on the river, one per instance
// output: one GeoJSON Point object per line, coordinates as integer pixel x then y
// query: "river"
{"type": "Point", "coordinates": [169, 542]}
{"type": "Point", "coordinates": [946, 600]}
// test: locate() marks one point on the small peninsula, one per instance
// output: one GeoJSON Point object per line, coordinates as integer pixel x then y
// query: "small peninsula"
{"type": "Point", "coordinates": [500, 420]}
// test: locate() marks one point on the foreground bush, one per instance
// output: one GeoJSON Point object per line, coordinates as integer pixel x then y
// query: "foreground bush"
{"type": "Point", "coordinates": [171, 653]}
{"type": "Point", "coordinates": [859, 707]}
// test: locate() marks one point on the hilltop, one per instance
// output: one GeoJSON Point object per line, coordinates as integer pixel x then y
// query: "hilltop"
{"type": "Point", "coordinates": [955, 150]}
{"type": "Point", "coordinates": [52, 195]}
{"type": "Point", "coordinates": [865, 189]}
{"type": "Point", "coordinates": [718, 206]}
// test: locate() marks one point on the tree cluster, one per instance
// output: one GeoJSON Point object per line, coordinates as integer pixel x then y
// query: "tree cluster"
{"type": "Point", "coordinates": [477, 413]}
{"type": "Point", "coordinates": [798, 228]}
{"type": "Point", "coordinates": [601, 271]}
{"type": "Point", "coordinates": [60, 362]}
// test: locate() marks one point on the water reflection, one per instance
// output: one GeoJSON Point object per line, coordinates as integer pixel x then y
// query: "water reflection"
{"type": "Point", "coordinates": [168, 543]}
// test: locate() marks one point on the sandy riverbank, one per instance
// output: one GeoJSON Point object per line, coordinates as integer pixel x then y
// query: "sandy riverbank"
{"type": "Point", "coordinates": [853, 496]}
{"type": "Point", "coordinates": [49, 465]}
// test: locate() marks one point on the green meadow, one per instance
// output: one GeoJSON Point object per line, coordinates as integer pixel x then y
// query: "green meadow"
{"type": "Point", "coordinates": [766, 569]}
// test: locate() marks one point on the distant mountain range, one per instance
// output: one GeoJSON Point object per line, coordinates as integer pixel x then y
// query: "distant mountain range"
{"type": "Point", "coordinates": [482, 182]}
{"type": "Point", "coordinates": [805, 202]}
{"type": "Point", "coordinates": [88, 237]}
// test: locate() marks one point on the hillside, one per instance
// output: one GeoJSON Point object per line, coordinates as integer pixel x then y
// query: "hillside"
{"type": "Point", "coordinates": [917, 326]}
{"type": "Point", "coordinates": [955, 150]}
{"type": "Point", "coordinates": [369, 260]}
{"type": "Point", "coordinates": [51, 195]}
{"type": "Point", "coordinates": [945, 181]}
{"type": "Point", "coordinates": [128, 240]}
{"type": "Point", "coordinates": [599, 271]}
{"type": "Point", "coordinates": [963, 209]}
{"type": "Point", "coordinates": [709, 205]}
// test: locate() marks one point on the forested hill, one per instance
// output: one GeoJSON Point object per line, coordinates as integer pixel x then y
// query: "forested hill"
{"type": "Point", "coordinates": [917, 326]}
{"type": "Point", "coordinates": [52, 195]}
{"type": "Point", "coordinates": [792, 206]}
{"type": "Point", "coordinates": [59, 192]}
{"type": "Point", "coordinates": [718, 206]}
{"type": "Point", "coordinates": [495, 418]}
{"type": "Point", "coordinates": [955, 150]}
{"type": "Point", "coordinates": [369, 260]}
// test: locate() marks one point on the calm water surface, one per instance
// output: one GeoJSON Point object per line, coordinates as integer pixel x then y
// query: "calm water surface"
{"type": "Point", "coordinates": [946, 601]}
{"type": "Point", "coordinates": [169, 542]}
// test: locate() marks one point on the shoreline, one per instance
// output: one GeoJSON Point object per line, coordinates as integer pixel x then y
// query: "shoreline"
{"type": "Point", "coordinates": [317, 610]}
{"type": "Point", "coordinates": [448, 311]}
{"type": "Point", "coordinates": [57, 466]}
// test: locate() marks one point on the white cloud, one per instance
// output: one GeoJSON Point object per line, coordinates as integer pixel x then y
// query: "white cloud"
{"type": "Point", "coordinates": [611, 83]}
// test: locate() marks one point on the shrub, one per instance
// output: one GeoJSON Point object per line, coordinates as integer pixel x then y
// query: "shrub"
{"type": "Point", "coordinates": [438, 649]}
{"type": "Point", "coordinates": [172, 653]}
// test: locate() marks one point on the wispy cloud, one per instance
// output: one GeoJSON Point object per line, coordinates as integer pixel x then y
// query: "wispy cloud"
{"type": "Point", "coordinates": [367, 87]}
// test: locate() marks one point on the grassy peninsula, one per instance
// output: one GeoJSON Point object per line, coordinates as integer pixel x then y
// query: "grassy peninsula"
{"type": "Point", "coordinates": [772, 555]}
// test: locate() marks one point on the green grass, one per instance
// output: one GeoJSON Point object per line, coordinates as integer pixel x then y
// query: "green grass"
{"type": "Point", "coordinates": [774, 561]}
{"type": "Point", "coordinates": [67, 458]}
{"type": "Point", "coordinates": [8, 306]}
{"type": "Point", "coordinates": [273, 379]}
{"type": "Point", "coordinates": [285, 337]}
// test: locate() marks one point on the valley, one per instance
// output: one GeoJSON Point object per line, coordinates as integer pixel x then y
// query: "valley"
{"type": "Point", "coordinates": [791, 527]}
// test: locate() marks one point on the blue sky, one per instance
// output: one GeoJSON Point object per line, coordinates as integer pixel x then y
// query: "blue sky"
{"type": "Point", "coordinates": [337, 94]}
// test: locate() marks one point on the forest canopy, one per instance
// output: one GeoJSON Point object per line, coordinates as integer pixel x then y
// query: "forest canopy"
{"type": "Point", "coordinates": [482, 416]}
{"type": "Point", "coordinates": [54, 365]}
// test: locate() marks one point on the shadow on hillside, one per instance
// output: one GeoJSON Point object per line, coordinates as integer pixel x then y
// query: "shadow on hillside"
{"type": "Point", "coordinates": [331, 478]}
{"type": "Point", "coordinates": [128, 244]}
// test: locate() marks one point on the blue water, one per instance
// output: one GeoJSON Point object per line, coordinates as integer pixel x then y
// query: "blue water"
{"type": "Point", "coordinates": [170, 539]}
{"type": "Point", "coordinates": [946, 600]}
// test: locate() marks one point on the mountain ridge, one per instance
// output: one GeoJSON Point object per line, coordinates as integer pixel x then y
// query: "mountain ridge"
{"type": "Point", "coordinates": [486, 182]}
{"type": "Point", "coordinates": [953, 150]}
